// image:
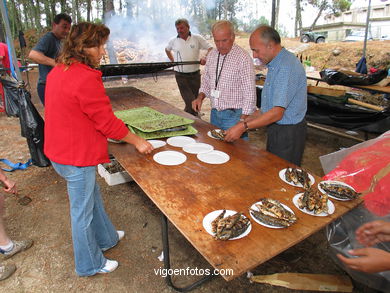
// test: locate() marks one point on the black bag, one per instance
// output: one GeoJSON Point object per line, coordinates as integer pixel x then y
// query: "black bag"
{"type": "Point", "coordinates": [31, 122]}
{"type": "Point", "coordinates": [332, 77]}
{"type": "Point", "coordinates": [10, 95]}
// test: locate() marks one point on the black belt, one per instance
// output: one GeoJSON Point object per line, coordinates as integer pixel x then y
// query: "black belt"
{"type": "Point", "coordinates": [188, 73]}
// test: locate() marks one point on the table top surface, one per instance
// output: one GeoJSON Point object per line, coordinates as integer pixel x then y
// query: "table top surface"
{"type": "Point", "coordinates": [188, 192]}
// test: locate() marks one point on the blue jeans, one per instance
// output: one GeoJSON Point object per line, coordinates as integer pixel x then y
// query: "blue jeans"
{"type": "Point", "coordinates": [92, 230]}
{"type": "Point", "coordinates": [226, 118]}
{"type": "Point", "coordinates": [41, 92]}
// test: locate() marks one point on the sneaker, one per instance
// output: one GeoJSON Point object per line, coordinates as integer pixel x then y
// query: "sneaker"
{"type": "Point", "coordinates": [18, 247]}
{"type": "Point", "coordinates": [109, 267]}
{"type": "Point", "coordinates": [121, 234]}
{"type": "Point", "coordinates": [6, 271]}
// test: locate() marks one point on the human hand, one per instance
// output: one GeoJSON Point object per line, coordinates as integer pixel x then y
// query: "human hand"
{"type": "Point", "coordinates": [373, 232]}
{"type": "Point", "coordinates": [203, 61]}
{"type": "Point", "coordinates": [234, 132]}
{"type": "Point", "coordinates": [197, 103]}
{"type": "Point", "coordinates": [143, 146]}
{"type": "Point", "coordinates": [10, 186]}
{"type": "Point", "coordinates": [369, 260]}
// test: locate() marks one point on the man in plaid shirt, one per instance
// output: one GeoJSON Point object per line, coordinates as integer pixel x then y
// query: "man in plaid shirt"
{"type": "Point", "coordinates": [228, 80]}
{"type": "Point", "coordinates": [283, 98]}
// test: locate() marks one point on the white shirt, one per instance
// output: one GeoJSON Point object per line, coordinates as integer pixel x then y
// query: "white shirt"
{"type": "Point", "coordinates": [187, 50]}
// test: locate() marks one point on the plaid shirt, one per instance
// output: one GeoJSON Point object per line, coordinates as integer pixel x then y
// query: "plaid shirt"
{"type": "Point", "coordinates": [236, 80]}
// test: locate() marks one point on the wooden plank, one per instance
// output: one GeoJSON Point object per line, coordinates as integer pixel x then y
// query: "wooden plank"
{"type": "Point", "coordinates": [317, 90]}
{"type": "Point", "coordinates": [188, 192]}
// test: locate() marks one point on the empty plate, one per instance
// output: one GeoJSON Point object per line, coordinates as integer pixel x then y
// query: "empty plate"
{"type": "Point", "coordinates": [180, 141]}
{"type": "Point", "coordinates": [197, 148]}
{"type": "Point", "coordinates": [213, 157]}
{"type": "Point", "coordinates": [170, 158]}
{"type": "Point", "coordinates": [157, 143]}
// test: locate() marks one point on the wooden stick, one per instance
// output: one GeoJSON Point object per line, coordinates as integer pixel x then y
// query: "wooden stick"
{"type": "Point", "coordinates": [366, 105]}
{"type": "Point", "coordinates": [315, 282]}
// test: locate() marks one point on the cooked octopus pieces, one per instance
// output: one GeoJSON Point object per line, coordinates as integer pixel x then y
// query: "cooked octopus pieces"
{"type": "Point", "coordinates": [298, 176]}
{"type": "Point", "coordinates": [273, 213]}
{"type": "Point", "coordinates": [339, 191]}
{"type": "Point", "coordinates": [229, 227]}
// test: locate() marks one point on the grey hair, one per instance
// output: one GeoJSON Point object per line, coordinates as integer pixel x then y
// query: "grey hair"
{"type": "Point", "coordinates": [182, 20]}
{"type": "Point", "coordinates": [222, 24]}
{"type": "Point", "coordinates": [268, 33]}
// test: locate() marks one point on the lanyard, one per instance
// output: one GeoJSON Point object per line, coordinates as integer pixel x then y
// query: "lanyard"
{"type": "Point", "coordinates": [217, 76]}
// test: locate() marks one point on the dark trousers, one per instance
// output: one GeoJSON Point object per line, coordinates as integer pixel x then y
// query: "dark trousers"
{"type": "Point", "coordinates": [189, 84]}
{"type": "Point", "coordinates": [287, 141]}
{"type": "Point", "coordinates": [41, 92]}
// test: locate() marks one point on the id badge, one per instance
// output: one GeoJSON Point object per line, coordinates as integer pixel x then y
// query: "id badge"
{"type": "Point", "coordinates": [215, 94]}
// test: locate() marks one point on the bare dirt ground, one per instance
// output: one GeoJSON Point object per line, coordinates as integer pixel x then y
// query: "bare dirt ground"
{"type": "Point", "coordinates": [48, 265]}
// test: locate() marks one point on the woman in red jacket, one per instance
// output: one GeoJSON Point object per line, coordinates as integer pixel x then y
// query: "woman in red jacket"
{"type": "Point", "coordinates": [78, 121]}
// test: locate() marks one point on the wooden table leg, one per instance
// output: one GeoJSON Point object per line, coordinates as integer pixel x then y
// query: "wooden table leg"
{"type": "Point", "coordinates": [167, 264]}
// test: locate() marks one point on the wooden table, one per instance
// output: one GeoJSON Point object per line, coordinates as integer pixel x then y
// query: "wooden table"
{"type": "Point", "coordinates": [188, 192]}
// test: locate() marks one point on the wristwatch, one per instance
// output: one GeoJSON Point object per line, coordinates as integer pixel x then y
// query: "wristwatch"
{"type": "Point", "coordinates": [246, 126]}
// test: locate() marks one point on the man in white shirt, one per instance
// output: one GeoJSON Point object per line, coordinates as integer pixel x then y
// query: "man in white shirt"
{"type": "Point", "coordinates": [186, 47]}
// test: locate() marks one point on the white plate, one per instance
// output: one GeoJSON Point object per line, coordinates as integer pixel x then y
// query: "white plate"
{"type": "Point", "coordinates": [331, 207]}
{"type": "Point", "coordinates": [213, 157]}
{"type": "Point", "coordinates": [157, 143]}
{"type": "Point", "coordinates": [211, 217]}
{"type": "Point", "coordinates": [180, 141]}
{"type": "Point", "coordinates": [335, 182]}
{"type": "Point", "coordinates": [170, 158]}
{"type": "Point", "coordinates": [282, 176]}
{"type": "Point", "coordinates": [209, 134]}
{"type": "Point", "coordinates": [253, 207]}
{"type": "Point", "coordinates": [197, 148]}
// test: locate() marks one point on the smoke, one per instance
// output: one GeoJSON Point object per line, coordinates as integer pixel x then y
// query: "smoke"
{"type": "Point", "coordinates": [146, 33]}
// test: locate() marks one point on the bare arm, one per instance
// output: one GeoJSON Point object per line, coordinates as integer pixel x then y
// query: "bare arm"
{"type": "Point", "coordinates": [143, 146]}
{"type": "Point", "coordinates": [204, 59]}
{"type": "Point", "coordinates": [169, 54]}
{"type": "Point", "coordinates": [40, 58]}
{"type": "Point", "coordinates": [269, 117]}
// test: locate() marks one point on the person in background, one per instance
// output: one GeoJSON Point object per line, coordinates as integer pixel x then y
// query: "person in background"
{"type": "Point", "coordinates": [78, 121]}
{"type": "Point", "coordinates": [186, 47]}
{"type": "Point", "coordinates": [4, 57]}
{"type": "Point", "coordinates": [283, 98]}
{"type": "Point", "coordinates": [47, 49]}
{"type": "Point", "coordinates": [228, 80]}
{"type": "Point", "coordinates": [8, 247]}
{"type": "Point", "coordinates": [370, 259]}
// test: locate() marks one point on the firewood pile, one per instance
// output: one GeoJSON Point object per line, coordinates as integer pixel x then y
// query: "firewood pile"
{"type": "Point", "coordinates": [130, 52]}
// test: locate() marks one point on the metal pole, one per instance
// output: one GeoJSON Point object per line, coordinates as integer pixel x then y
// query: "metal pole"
{"type": "Point", "coordinates": [11, 48]}
{"type": "Point", "coordinates": [273, 13]}
{"type": "Point", "coordinates": [367, 24]}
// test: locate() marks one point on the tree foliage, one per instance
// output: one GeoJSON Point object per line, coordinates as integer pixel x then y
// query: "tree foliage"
{"type": "Point", "coordinates": [332, 6]}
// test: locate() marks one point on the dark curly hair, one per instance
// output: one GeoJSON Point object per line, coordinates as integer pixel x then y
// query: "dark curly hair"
{"type": "Point", "coordinates": [83, 35]}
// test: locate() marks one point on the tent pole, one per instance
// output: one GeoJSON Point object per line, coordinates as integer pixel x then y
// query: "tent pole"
{"type": "Point", "coordinates": [366, 32]}
{"type": "Point", "coordinates": [11, 48]}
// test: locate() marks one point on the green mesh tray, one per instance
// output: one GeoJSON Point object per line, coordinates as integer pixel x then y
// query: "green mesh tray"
{"type": "Point", "coordinates": [161, 134]}
{"type": "Point", "coordinates": [160, 123]}
{"type": "Point", "coordinates": [138, 114]}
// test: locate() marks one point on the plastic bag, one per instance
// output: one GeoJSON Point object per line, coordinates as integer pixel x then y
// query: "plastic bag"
{"type": "Point", "coordinates": [332, 76]}
{"type": "Point", "coordinates": [10, 95]}
{"type": "Point", "coordinates": [31, 123]}
{"type": "Point", "coordinates": [366, 167]}
{"type": "Point", "coordinates": [341, 238]}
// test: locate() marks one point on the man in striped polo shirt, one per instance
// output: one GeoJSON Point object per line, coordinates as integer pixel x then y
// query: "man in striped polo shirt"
{"type": "Point", "coordinates": [283, 99]}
